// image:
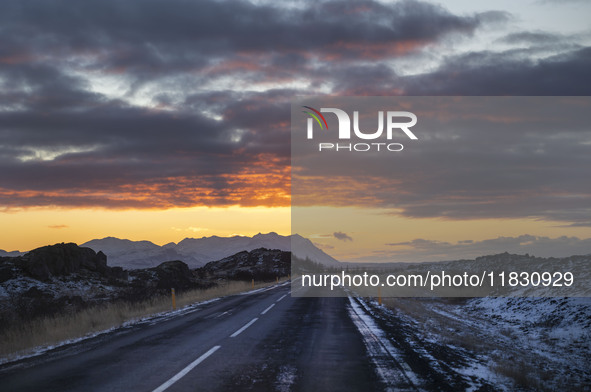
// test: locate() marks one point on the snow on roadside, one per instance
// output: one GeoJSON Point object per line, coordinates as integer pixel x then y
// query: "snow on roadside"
{"type": "Point", "coordinates": [474, 370]}
{"type": "Point", "coordinates": [149, 320]}
{"type": "Point", "coordinates": [286, 378]}
{"type": "Point", "coordinates": [507, 342]}
{"type": "Point", "coordinates": [382, 353]}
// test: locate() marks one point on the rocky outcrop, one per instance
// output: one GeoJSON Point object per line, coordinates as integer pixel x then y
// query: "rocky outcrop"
{"type": "Point", "coordinates": [56, 278]}
{"type": "Point", "coordinates": [63, 259]}
{"type": "Point", "coordinates": [174, 274]}
{"type": "Point", "coordinates": [258, 264]}
{"type": "Point", "coordinates": [66, 277]}
{"type": "Point", "coordinates": [170, 274]}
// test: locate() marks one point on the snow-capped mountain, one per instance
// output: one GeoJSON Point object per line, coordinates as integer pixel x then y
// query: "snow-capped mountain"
{"type": "Point", "coordinates": [215, 248]}
{"type": "Point", "coordinates": [196, 252]}
{"type": "Point", "coordinates": [133, 254]}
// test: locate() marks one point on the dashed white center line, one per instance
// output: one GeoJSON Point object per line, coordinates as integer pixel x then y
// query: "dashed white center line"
{"type": "Point", "coordinates": [251, 322]}
{"type": "Point", "coordinates": [202, 358]}
{"type": "Point", "coordinates": [186, 370]}
{"type": "Point", "coordinates": [266, 310]}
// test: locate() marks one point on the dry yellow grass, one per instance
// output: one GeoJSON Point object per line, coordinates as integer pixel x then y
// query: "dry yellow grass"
{"type": "Point", "coordinates": [27, 337]}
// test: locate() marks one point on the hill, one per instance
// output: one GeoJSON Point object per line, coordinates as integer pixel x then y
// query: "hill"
{"type": "Point", "coordinates": [197, 252]}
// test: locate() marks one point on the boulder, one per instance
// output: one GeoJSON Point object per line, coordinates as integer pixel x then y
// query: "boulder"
{"type": "Point", "coordinates": [174, 274]}
{"type": "Point", "coordinates": [63, 259]}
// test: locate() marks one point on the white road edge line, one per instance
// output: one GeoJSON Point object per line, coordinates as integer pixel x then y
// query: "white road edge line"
{"type": "Point", "coordinates": [281, 298]}
{"type": "Point", "coordinates": [251, 322]}
{"type": "Point", "coordinates": [186, 370]}
{"type": "Point", "coordinates": [266, 310]}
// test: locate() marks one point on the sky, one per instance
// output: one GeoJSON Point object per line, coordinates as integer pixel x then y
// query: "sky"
{"type": "Point", "coordinates": [171, 119]}
{"type": "Point", "coordinates": [484, 175]}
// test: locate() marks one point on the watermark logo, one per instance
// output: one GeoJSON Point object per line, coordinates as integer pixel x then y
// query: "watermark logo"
{"type": "Point", "coordinates": [314, 115]}
{"type": "Point", "coordinates": [396, 123]}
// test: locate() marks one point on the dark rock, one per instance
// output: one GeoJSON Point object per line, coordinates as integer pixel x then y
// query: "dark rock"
{"type": "Point", "coordinates": [8, 269]}
{"type": "Point", "coordinates": [63, 259]}
{"type": "Point", "coordinates": [174, 274]}
{"type": "Point", "coordinates": [35, 293]}
{"type": "Point", "coordinates": [159, 280]}
{"type": "Point", "coordinates": [259, 264]}
{"type": "Point", "coordinates": [118, 273]}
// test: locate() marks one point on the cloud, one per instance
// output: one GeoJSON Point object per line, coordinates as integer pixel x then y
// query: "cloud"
{"type": "Point", "coordinates": [182, 103]}
{"type": "Point", "coordinates": [510, 73]}
{"type": "Point", "coordinates": [197, 229]}
{"type": "Point", "coordinates": [342, 236]}
{"type": "Point", "coordinates": [58, 226]}
{"type": "Point", "coordinates": [560, 1]}
{"type": "Point", "coordinates": [100, 152]}
{"type": "Point", "coordinates": [429, 250]}
{"type": "Point", "coordinates": [494, 158]}
{"type": "Point", "coordinates": [532, 37]}
{"type": "Point", "coordinates": [120, 106]}
{"type": "Point", "coordinates": [323, 246]}
{"type": "Point", "coordinates": [178, 36]}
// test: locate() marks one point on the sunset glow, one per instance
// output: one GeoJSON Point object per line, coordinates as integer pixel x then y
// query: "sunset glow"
{"type": "Point", "coordinates": [36, 227]}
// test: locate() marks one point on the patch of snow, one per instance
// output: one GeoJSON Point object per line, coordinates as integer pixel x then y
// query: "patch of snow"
{"type": "Point", "coordinates": [483, 372]}
{"type": "Point", "coordinates": [382, 352]}
{"type": "Point", "coordinates": [540, 340]}
{"type": "Point", "coordinates": [285, 379]}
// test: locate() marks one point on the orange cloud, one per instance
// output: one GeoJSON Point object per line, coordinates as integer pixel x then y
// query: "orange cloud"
{"type": "Point", "coordinates": [265, 183]}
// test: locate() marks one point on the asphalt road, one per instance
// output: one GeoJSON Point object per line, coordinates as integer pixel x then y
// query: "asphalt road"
{"type": "Point", "coordinates": [264, 341]}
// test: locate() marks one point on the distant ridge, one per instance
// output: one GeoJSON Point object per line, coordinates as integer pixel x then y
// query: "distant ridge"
{"type": "Point", "coordinates": [197, 252]}
{"type": "Point", "coordinates": [13, 253]}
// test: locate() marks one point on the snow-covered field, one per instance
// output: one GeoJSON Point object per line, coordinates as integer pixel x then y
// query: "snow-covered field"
{"type": "Point", "coordinates": [481, 343]}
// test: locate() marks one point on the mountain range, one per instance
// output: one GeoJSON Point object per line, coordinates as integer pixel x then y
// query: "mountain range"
{"type": "Point", "coordinates": [197, 252]}
{"type": "Point", "coordinates": [13, 253]}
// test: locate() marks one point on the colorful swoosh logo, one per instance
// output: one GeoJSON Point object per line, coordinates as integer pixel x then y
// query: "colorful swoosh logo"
{"type": "Point", "coordinates": [315, 114]}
